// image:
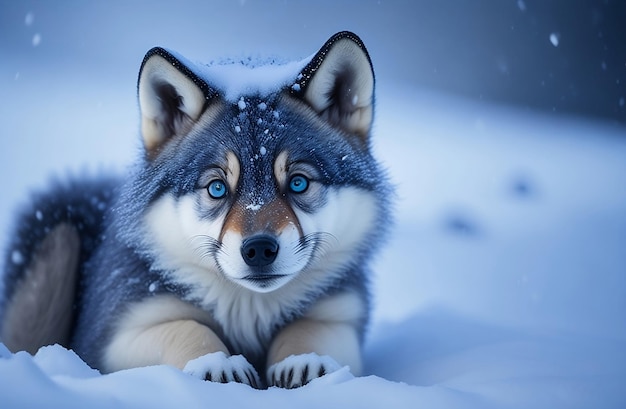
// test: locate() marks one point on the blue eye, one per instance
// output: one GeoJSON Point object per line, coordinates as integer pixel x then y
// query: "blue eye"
{"type": "Point", "coordinates": [217, 189]}
{"type": "Point", "coordinates": [298, 184]}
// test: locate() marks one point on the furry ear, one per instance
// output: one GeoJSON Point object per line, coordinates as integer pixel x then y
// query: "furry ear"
{"type": "Point", "coordinates": [338, 83]}
{"type": "Point", "coordinates": [171, 98]}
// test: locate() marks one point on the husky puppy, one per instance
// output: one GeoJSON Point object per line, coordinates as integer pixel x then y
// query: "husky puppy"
{"type": "Point", "coordinates": [238, 244]}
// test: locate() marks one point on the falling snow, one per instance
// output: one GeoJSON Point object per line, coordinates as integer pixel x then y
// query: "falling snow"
{"type": "Point", "coordinates": [554, 39]}
{"type": "Point", "coordinates": [29, 19]}
{"type": "Point", "coordinates": [17, 257]}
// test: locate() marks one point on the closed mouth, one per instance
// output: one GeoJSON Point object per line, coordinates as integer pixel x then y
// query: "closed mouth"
{"type": "Point", "coordinates": [264, 281]}
{"type": "Point", "coordinates": [263, 278]}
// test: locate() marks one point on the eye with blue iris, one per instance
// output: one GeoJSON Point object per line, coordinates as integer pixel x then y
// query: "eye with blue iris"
{"type": "Point", "coordinates": [298, 184]}
{"type": "Point", "coordinates": [217, 189]}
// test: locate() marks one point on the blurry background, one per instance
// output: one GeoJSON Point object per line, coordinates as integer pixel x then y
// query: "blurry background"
{"type": "Point", "coordinates": [561, 56]}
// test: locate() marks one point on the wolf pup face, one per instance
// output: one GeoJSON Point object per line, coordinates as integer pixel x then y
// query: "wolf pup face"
{"type": "Point", "coordinates": [259, 185]}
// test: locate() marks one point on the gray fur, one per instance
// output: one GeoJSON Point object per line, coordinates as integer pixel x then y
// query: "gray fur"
{"type": "Point", "coordinates": [41, 311]}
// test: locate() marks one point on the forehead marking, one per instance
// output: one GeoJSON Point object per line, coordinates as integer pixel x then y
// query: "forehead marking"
{"type": "Point", "coordinates": [280, 168]}
{"type": "Point", "coordinates": [233, 170]}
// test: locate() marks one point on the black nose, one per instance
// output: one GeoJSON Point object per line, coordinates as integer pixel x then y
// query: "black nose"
{"type": "Point", "coordinates": [259, 251]}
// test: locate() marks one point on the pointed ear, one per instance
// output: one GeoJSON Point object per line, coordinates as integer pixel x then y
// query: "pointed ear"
{"type": "Point", "coordinates": [338, 83]}
{"type": "Point", "coordinates": [171, 98]}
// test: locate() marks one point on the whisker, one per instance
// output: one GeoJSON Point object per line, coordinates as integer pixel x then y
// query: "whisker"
{"type": "Point", "coordinates": [208, 246]}
{"type": "Point", "coordinates": [321, 241]}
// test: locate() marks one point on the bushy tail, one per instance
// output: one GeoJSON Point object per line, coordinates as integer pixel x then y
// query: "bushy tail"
{"type": "Point", "coordinates": [53, 236]}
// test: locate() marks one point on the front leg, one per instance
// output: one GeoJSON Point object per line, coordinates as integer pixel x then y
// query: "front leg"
{"type": "Point", "coordinates": [165, 330]}
{"type": "Point", "coordinates": [321, 342]}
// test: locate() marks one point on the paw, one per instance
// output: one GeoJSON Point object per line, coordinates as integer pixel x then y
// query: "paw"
{"type": "Point", "coordinates": [298, 370]}
{"type": "Point", "coordinates": [219, 367]}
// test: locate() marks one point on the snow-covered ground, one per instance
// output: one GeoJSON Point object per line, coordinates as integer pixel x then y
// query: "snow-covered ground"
{"type": "Point", "coordinates": [503, 284]}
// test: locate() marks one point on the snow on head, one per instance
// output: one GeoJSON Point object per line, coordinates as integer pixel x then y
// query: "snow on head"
{"type": "Point", "coordinates": [235, 79]}
{"type": "Point", "coordinates": [241, 104]}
